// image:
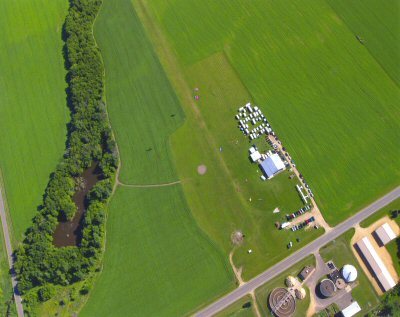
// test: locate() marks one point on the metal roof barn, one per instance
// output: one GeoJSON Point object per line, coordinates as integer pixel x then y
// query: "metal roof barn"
{"type": "Point", "coordinates": [385, 233]}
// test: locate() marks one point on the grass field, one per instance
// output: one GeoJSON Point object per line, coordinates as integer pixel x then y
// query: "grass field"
{"type": "Point", "coordinates": [33, 112]}
{"type": "Point", "coordinates": [157, 261]}
{"type": "Point", "coordinates": [326, 96]}
{"type": "Point", "coordinates": [142, 105]}
{"type": "Point", "coordinates": [263, 292]}
{"type": "Point", "coordinates": [377, 23]}
{"type": "Point", "coordinates": [239, 309]}
{"type": "Point", "coordinates": [340, 252]}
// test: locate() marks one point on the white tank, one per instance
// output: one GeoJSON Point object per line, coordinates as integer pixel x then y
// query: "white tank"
{"type": "Point", "coordinates": [349, 273]}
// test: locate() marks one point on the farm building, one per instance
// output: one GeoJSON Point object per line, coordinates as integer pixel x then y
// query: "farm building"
{"type": "Point", "coordinates": [351, 310]}
{"type": "Point", "coordinates": [375, 264]}
{"type": "Point", "coordinates": [272, 165]}
{"type": "Point", "coordinates": [385, 234]}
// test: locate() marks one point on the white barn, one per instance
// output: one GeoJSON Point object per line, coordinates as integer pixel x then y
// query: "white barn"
{"type": "Point", "coordinates": [272, 165]}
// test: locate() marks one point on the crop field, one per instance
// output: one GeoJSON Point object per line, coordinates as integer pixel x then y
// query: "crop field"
{"type": "Point", "coordinates": [33, 112]}
{"type": "Point", "coordinates": [157, 261]}
{"type": "Point", "coordinates": [143, 108]}
{"type": "Point", "coordinates": [377, 25]}
{"type": "Point", "coordinates": [331, 103]}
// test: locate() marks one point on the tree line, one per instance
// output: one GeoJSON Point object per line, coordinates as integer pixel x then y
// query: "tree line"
{"type": "Point", "coordinates": [39, 264]}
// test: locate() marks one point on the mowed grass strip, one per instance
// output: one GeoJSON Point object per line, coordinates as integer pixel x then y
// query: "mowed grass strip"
{"type": "Point", "coordinates": [33, 112]}
{"type": "Point", "coordinates": [142, 105]}
{"type": "Point", "coordinates": [377, 26]}
{"type": "Point", "coordinates": [331, 103]}
{"type": "Point", "coordinates": [157, 262]}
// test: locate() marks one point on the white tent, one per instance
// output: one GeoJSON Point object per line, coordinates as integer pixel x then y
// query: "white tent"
{"type": "Point", "coordinates": [255, 156]}
{"type": "Point", "coordinates": [272, 165]}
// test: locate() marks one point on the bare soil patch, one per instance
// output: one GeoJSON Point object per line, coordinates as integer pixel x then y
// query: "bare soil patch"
{"type": "Point", "coordinates": [201, 169]}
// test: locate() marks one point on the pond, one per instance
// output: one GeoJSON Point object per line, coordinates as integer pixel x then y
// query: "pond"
{"type": "Point", "coordinates": [68, 232]}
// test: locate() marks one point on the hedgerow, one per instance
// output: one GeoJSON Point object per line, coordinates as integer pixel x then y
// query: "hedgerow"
{"type": "Point", "coordinates": [38, 261]}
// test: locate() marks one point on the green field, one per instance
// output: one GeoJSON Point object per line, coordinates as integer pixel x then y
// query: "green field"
{"type": "Point", "coordinates": [377, 23]}
{"type": "Point", "coordinates": [394, 249]}
{"type": "Point", "coordinates": [33, 112]}
{"type": "Point", "coordinates": [157, 261]}
{"type": "Point", "coordinates": [142, 105]}
{"type": "Point", "coordinates": [340, 252]}
{"type": "Point", "coordinates": [331, 103]}
{"type": "Point", "coordinates": [263, 292]}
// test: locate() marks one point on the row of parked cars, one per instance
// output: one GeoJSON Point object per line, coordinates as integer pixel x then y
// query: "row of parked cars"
{"type": "Point", "coordinates": [298, 212]}
{"type": "Point", "coordinates": [303, 224]}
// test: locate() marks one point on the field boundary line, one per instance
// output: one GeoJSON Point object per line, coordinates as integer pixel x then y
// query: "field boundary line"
{"type": "Point", "coordinates": [149, 185]}
{"type": "Point", "coordinates": [366, 47]}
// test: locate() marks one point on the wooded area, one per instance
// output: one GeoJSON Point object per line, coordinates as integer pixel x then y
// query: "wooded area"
{"type": "Point", "coordinates": [39, 264]}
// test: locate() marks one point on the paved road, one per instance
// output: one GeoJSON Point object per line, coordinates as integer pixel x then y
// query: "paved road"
{"type": "Point", "coordinates": [17, 297]}
{"type": "Point", "coordinates": [297, 256]}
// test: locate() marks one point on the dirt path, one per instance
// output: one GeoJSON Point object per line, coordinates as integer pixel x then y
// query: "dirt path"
{"type": "Point", "coordinates": [319, 219]}
{"type": "Point", "coordinates": [148, 185]}
{"type": "Point", "coordinates": [7, 240]}
{"type": "Point", "coordinates": [238, 275]}
{"type": "Point", "coordinates": [382, 251]}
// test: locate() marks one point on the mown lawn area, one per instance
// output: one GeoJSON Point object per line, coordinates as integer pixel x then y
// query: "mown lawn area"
{"type": "Point", "coordinates": [339, 251]}
{"type": "Point", "coordinates": [331, 103]}
{"type": "Point", "coordinates": [142, 105]}
{"type": "Point", "coordinates": [244, 307]}
{"type": "Point", "coordinates": [157, 263]}
{"type": "Point", "coordinates": [262, 293]}
{"type": "Point", "coordinates": [33, 112]}
{"type": "Point", "coordinates": [377, 26]}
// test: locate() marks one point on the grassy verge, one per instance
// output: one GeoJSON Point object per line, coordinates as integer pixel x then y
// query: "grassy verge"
{"type": "Point", "coordinates": [385, 211]}
{"type": "Point", "coordinates": [242, 308]}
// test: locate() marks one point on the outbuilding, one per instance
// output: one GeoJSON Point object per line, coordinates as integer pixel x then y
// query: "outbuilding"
{"type": "Point", "coordinates": [385, 234]}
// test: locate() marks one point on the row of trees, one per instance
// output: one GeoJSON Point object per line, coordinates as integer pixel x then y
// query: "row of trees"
{"type": "Point", "coordinates": [39, 264]}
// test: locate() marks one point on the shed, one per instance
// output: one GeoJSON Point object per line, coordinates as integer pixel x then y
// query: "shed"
{"type": "Point", "coordinates": [385, 234]}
